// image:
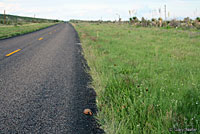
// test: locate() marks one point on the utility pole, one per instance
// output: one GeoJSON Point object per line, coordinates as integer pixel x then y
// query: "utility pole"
{"type": "Point", "coordinates": [4, 16]}
{"type": "Point", "coordinates": [165, 12]}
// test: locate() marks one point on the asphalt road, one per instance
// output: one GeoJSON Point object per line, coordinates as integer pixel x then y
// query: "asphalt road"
{"type": "Point", "coordinates": [43, 85]}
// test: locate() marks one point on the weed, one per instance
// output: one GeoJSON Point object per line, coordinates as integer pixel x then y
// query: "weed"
{"type": "Point", "coordinates": [147, 79]}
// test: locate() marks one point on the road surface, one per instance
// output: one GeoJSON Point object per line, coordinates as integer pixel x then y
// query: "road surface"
{"type": "Point", "coordinates": [43, 85]}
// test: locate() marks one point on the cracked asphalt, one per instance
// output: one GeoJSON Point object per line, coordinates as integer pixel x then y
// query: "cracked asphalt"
{"type": "Point", "coordinates": [44, 86]}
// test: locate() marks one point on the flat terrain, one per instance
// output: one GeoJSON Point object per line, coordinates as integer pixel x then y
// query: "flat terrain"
{"type": "Point", "coordinates": [147, 79]}
{"type": "Point", "coordinates": [43, 84]}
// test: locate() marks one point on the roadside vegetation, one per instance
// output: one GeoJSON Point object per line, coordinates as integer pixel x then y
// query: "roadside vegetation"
{"type": "Point", "coordinates": [8, 19]}
{"type": "Point", "coordinates": [147, 79]}
{"type": "Point", "coordinates": [12, 25]}
{"type": "Point", "coordinates": [185, 24]}
{"type": "Point", "coordinates": [7, 31]}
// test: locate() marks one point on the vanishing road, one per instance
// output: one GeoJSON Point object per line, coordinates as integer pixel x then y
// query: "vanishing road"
{"type": "Point", "coordinates": [43, 85]}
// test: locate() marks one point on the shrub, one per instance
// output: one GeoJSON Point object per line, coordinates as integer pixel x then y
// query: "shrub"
{"type": "Point", "coordinates": [160, 22]}
{"type": "Point", "coordinates": [153, 19]}
{"type": "Point", "coordinates": [175, 23]}
{"type": "Point", "coordinates": [56, 20]}
{"type": "Point", "coordinates": [148, 23]}
{"type": "Point", "coordinates": [164, 24]}
{"type": "Point", "coordinates": [198, 19]}
{"type": "Point", "coordinates": [154, 22]}
{"type": "Point", "coordinates": [144, 22]}
{"type": "Point", "coordinates": [160, 19]}
{"type": "Point", "coordinates": [130, 19]}
{"type": "Point", "coordinates": [197, 24]}
{"type": "Point", "coordinates": [187, 20]}
{"type": "Point", "coordinates": [135, 19]}
{"type": "Point", "coordinates": [1, 21]}
{"type": "Point", "coordinates": [9, 22]}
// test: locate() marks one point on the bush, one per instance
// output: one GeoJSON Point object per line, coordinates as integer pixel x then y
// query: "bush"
{"type": "Point", "coordinates": [164, 24]}
{"type": "Point", "coordinates": [1, 22]}
{"type": "Point", "coordinates": [148, 23]}
{"type": "Point", "coordinates": [9, 22]}
{"type": "Point", "coordinates": [187, 20]}
{"type": "Point", "coordinates": [198, 19]}
{"type": "Point", "coordinates": [144, 22]}
{"type": "Point", "coordinates": [153, 19]}
{"type": "Point", "coordinates": [56, 20]}
{"type": "Point", "coordinates": [175, 23]}
{"type": "Point", "coordinates": [160, 19]}
{"type": "Point", "coordinates": [196, 24]}
{"type": "Point", "coordinates": [135, 19]}
{"type": "Point", "coordinates": [168, 27]}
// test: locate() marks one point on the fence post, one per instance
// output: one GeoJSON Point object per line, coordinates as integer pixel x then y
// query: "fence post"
{"type": "Point", "coordinates": [4, 16]}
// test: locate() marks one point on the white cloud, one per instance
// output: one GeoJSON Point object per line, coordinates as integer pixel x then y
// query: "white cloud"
{"type": "Point", "coordinates": [9, 7]}
{"type": "Point", "coordinates": [88, 9]}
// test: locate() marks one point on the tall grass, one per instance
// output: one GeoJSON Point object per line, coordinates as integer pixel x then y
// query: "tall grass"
{"type": "Point", "coordinates": [147, 79]}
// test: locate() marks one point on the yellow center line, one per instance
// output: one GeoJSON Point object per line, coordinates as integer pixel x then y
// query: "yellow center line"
{"type": "Point", "coordinates": [13, 52]}
{"type": "Point", "coordinates": [40, 38]}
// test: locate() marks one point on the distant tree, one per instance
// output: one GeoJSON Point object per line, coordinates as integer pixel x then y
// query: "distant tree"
{"type": "Point", "coordinates": [56, 20]}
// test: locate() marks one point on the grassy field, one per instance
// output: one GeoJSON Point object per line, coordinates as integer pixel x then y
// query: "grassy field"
{"type": "Point", "coordinates": [7, 31]}
{"type": "Point", "coordinates": [147, 79]}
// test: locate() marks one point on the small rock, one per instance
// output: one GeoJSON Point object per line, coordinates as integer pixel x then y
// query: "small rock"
{"type": "Point", "coordinates": [87, 112]}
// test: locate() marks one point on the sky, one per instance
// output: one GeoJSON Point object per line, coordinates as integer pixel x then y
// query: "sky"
{"type": "Point", "coordinates": [101, 10]}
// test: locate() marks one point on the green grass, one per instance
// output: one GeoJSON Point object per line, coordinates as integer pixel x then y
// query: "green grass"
{"type": "Point", "coordinates": [147, 79]}
{"type": "Point", "coordinates": [7, 31]}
